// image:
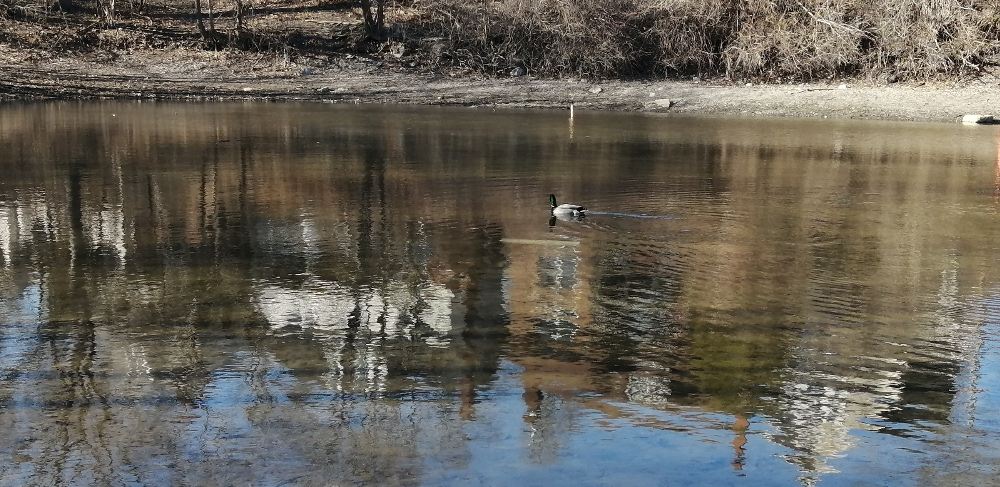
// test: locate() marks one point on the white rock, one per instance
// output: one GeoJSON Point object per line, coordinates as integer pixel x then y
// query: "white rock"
{"type": "Point", "coordinates": [975, 118]}
{"type": "Point", "coordinates": [595, 90]}
{"type": "Point", "coordinates": [663, 102]}
{"type": "Point", "coordinates": [842, 87]}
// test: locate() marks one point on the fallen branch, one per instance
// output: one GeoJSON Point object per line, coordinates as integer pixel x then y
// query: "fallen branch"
{"type": "Point", "coordinates": [339, 22]}
{"type": "Point", "coordinates": [837, 25]}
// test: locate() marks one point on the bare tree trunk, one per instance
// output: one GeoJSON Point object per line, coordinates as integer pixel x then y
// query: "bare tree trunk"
{"type": "Point", "coordinates": [211, 17]}
{"type": "Point", "coordinates": [62, 5]}
{"type": "Point", "coordinates": [200, 22]}
{"type": "Point", "coordinates": [374, 22]}
{"type": "Point", "coordinates": [240, 10]}
{"type": "Point", "coordinates": [107, 11]}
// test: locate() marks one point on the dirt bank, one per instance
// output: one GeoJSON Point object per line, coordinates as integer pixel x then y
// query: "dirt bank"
{"type": "Point", "coordinates": [199, 74]}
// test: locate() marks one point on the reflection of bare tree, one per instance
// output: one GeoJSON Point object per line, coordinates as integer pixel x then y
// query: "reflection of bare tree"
{"type": "Point", "coordinates": [740, 426]}
{"type": "Point", "coordinates": [548, 424]}
{"type": "Point", "coordinates": [79, 249]}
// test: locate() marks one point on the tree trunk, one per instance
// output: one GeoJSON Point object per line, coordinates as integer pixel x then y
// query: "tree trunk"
{"type": "Point", "coordinates": [200, 22]}
{"type": "Point", "coordinates": [211, 17]}
{"type": "Point", "coordinates": [107, 9]}
{"type": "Point", "coordinates": [64, 6]}
{"type": "Point", "coordinates": [374, 22]}
{"type": "Point", "coordinates": [239, 17]}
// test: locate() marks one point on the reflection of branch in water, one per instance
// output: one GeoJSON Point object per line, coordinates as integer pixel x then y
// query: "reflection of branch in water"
{"type": "Point", "coordinates": [467, 409]}
{"type": "Point", "coordinates": [996, 173]}
{"type": "Point", "coordinates": [739, 427]}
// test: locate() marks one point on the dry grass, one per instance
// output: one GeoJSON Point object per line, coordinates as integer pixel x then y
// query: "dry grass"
{"type": "Point", "coordinates": [739, 39]}
{"type": "Point", "coordinates": [736, 39]}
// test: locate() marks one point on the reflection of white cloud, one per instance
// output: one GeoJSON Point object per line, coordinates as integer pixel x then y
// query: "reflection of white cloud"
{"type": "Point", "coordinates": [329, 305]}
{"type": "Point", "coordinates": [325, 307]}
{"type": "Point", "coordinates": [648, 389]}
{"type": "Point", "coordinates": [977, 387]}
{"type": "Point", "coordinates": [137, 362]}
{"type": "Point", "coordinates": [107, 228]}
{"type": "Point", "coordinates": [18, 220]}
{"type": "Point", "coordinates": [542, 286]}
{"type": "Point", "coordinates": [310, 235]}
{"type": "Point", "coordinates": [817, 420]}
{"type": "Point", "coordinates": [437, 312]}
{"type": "Point", "coordinates": [955, 321]}
{"type": "Point", "coordinates": [5, 235]}
{"type": "Point", "coordinates": [21, 318]}
{"type": "Point", "coordinates": [559, 271]}
{"type": "Point", "coordinates": [821, 409]}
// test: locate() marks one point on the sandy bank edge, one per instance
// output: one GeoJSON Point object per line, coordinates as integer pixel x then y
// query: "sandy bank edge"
{"type": "Point", "coordinates": [213, 76]}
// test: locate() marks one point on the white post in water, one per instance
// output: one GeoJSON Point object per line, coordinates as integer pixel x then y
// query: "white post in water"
{"type": "Point", "coordinates": [571, 121]}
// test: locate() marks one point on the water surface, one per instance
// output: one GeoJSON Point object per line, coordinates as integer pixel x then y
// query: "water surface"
{"type": "Point", "coordinates": [308, 294]}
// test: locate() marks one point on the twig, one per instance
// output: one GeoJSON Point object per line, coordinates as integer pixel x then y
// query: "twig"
{"type": "Point", "coordinates": [836, 25]}
{"type": "Point", "coordinates": [339, 22]}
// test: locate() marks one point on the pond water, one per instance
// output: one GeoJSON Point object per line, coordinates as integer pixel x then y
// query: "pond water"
{"type": "Point", "coordinates": [309, 294]}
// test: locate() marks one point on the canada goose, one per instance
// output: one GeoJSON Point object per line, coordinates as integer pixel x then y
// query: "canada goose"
{"type": "Point", "coordinates": [566, 209]}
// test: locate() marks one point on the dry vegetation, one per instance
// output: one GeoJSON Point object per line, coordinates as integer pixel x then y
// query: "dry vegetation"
{"type": "Point", "coordinates": [789, 39]}
{"type": "Point", "coordinates": [736, 39]}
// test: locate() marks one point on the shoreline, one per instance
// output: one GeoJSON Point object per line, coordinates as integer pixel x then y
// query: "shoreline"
{"type": "Point", "coordinates": [183, 75]}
